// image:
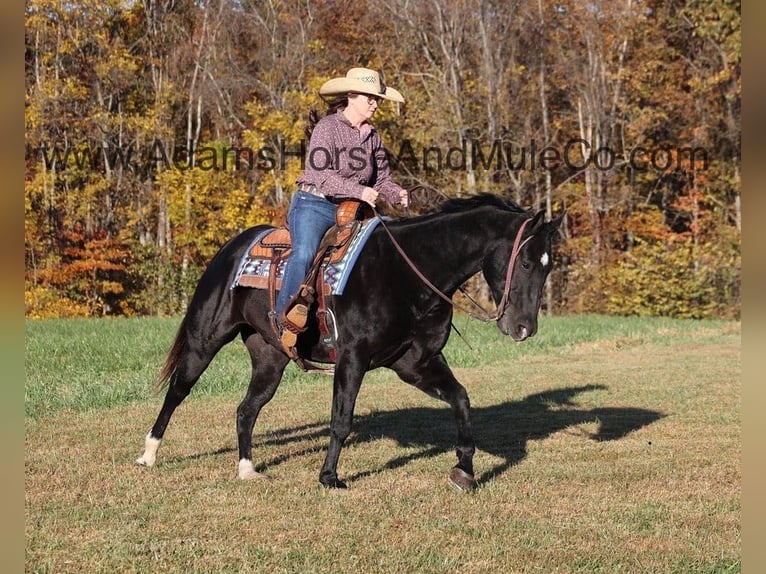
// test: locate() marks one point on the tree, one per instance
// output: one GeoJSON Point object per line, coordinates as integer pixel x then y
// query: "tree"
{"type": "Point", "coordinates": [157, 129]}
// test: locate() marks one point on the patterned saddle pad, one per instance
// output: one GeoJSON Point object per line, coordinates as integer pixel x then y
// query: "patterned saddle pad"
{"type": "Point", "coordinates": [255, 266]}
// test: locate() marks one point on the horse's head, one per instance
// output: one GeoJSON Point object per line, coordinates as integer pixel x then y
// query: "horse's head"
{"type": "Point", "coordinates": [530, 269]}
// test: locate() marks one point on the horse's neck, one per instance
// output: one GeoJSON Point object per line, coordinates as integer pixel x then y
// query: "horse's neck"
{"type": "Point", "coordinates": [450, 248]}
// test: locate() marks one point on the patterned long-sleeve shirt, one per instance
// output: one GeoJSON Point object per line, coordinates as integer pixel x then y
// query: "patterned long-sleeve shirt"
{"type": "Point", "coordinates": [342, 160]}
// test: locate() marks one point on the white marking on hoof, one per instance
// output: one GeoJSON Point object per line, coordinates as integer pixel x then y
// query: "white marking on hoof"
{"type": "Point", "coordinates": [150, 451]}
{"type": "Point", "coordinates": [544, 259]}
{"type": "Point", "coordinates": [246, 470]}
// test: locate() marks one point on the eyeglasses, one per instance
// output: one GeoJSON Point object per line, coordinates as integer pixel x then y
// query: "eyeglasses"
{"type": "Point", "coordinates": [370, 99]}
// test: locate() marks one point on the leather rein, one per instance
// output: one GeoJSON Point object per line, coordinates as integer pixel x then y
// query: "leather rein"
{"type": "Point", "coordinates": [485, 315]}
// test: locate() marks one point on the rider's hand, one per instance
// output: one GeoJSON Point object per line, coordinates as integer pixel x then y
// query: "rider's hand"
{"type": "Point", "coordinates": [404, 198]}
{"type": "Point", "coordinates": [369, 196]}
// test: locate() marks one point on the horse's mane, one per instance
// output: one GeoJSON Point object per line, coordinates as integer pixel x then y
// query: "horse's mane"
{"type": "Point", "coordinates": [480, 200]}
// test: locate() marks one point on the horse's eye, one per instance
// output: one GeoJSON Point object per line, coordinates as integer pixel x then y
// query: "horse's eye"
{"type": "Point", "coordinates": [525, 265]}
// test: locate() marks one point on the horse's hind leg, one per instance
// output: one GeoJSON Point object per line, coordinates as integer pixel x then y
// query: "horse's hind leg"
{"type": "Point", "coordinates": [195, 356]}
{"type": "Point", "coordinates": [268, 366]}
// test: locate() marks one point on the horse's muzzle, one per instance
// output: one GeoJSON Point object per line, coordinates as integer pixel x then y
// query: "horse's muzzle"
{"type": "Point", "coordinates": [515, 329]}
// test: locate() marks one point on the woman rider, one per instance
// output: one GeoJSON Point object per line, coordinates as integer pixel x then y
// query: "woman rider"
{"type": "Point", "coordinates": [346, 159]}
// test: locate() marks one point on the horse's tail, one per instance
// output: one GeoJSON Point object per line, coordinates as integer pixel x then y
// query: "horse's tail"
{"type": "Point", "coordinates": [172, 358]}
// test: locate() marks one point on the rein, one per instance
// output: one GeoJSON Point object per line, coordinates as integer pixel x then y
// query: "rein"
{"type": "Point", "coordinates": [485, 315]}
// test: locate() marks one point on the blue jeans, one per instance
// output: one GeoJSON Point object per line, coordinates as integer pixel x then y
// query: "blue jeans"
{"type": "Point", "coordinates": [308, 218]}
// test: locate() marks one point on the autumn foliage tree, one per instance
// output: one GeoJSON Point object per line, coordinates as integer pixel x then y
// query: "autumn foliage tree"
{"type": "Point", "coordinates": [155, 131]}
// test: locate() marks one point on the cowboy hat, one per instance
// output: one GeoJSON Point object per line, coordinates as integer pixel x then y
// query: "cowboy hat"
{"type": "Point", "coordinates": [360, 81]}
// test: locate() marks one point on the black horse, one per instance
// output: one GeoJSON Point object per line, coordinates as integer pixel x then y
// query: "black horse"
{"type": "Point", "coordinates": [388, 316]}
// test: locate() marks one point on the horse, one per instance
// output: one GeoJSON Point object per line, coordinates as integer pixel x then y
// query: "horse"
{"type": "Point", "coordinates": [396, 312]}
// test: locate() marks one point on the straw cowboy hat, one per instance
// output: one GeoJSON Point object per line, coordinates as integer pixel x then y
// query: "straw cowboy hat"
{"type": "Point", "coordinates": [360, 81]}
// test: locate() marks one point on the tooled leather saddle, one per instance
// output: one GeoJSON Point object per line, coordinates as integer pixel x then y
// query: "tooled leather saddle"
{"type": "Point", "coordinates": [275, 247]}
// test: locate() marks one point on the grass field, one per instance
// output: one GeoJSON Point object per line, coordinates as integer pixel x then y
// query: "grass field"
{"type": "Point", "coordinates": [604, 445]}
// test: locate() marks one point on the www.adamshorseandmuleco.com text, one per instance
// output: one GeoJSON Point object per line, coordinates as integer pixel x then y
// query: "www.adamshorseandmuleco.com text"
{"type": "Point", "coordinates": [575, 155]}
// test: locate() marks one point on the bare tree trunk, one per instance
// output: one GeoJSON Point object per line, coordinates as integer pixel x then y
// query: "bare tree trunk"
{"type": "Point", "coordinates": [546, 136]}
{"type": "Point", "coordinates": [162, 216]}
{"type": "Point", "coordinates": [586, 135]}
{"type": "Point", "coordinates": [737, 202]}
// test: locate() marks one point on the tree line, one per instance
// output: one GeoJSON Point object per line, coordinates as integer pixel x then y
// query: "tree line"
{"type": "Point", "coordinates": [158, 129]}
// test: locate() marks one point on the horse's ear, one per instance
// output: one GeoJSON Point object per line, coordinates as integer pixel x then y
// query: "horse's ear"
{"type": "Point", "coordinates": [554, 223]}
{"type": "Point", "coordinates": [537, 221]}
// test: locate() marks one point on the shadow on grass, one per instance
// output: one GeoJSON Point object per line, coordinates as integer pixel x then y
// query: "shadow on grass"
{"type": "Point", "coordinates": [502, 430]}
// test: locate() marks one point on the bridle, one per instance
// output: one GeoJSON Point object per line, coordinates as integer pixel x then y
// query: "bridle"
{"type": "Point", "coordinates": [484, 315]}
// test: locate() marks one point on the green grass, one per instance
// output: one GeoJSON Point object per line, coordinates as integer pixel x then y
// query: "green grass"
{"type": "Point", "coordinates": [604, 445]}
{"type": "Point", "coordinates": [92, 364]}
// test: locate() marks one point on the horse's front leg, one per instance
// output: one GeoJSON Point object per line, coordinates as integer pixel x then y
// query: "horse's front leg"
{"type": "Point", "coordinates": [348, 378]}
{"type": "Point", "coordinates": [434, 377]}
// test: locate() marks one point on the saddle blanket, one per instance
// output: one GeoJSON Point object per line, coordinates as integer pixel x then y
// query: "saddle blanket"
{"type": "Point", "coordinates": [254, 272]}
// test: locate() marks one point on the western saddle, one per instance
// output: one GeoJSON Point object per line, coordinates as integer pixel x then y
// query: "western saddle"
{"type": "Point", "coordinates": [275, 248]}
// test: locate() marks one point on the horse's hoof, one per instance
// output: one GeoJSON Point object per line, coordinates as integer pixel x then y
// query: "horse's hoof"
{"type": "Point", "coordinates": [142, 461]}
{"type": "Point", "coordinates": [252, 475]}
{"type": "Point", "coordinates": [246, 471]}
{"type": "Point", "coordinates": [334, 483]}
{"type": "Point", "coordinates": [461, 479]}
